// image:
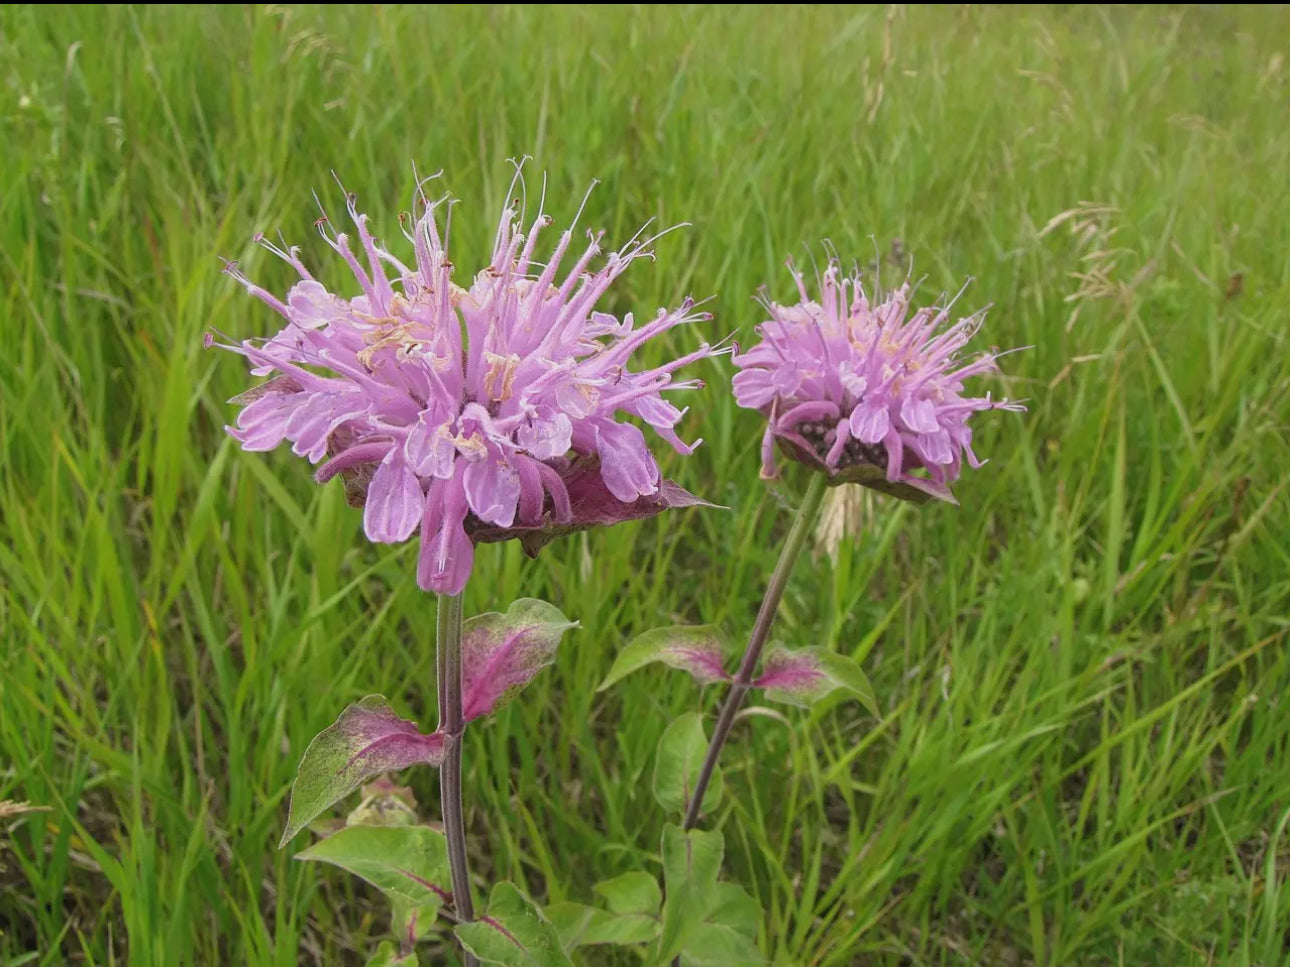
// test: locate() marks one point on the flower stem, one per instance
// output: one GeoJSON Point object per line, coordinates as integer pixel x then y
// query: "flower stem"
{"type": "Point", "coordinates": [802, 524]}
{"type": "Point", "coordinates": [448, 660]}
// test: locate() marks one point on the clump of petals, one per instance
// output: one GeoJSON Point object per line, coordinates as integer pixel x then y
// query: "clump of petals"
{"type": "Point", "coordinates": [867, 393]}
{"type": "Point", "coordinates": [468, 413]}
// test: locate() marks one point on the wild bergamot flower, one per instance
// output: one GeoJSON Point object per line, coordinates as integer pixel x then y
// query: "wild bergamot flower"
{"type": "Point", "coordinates": [468, 414]}
{"type": "Point", "coordinates": [864, 392]}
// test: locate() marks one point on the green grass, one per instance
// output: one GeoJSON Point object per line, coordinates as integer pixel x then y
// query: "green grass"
{"type": "Point", "coordinates": [1084, 757]}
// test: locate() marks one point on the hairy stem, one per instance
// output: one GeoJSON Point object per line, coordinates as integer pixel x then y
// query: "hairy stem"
{"type": "Point", "coordinates": [448, 660]}
{"type": "Point", "coordinates": [802, 524]}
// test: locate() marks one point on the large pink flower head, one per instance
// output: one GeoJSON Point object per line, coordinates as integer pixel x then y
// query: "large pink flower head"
{"type": "Point", "coordinates": [468, 414]}
{"type": "Point", "coordinates": [866, 393]}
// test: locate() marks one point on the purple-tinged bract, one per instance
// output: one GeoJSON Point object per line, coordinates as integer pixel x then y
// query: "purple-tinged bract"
{"type": "Point", "coordinates": [466, 413]}
{"type": "Point", "coordinates": [867, 393]}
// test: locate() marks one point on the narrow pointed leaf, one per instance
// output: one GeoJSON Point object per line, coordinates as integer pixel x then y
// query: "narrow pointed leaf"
{"type": "Point", "coordinates": [805, 676]}
{"type": "Point", "coordinates": [501, 653]}
{"type": "Point", "coordinates": [409, 864]}
{"type": "Point", "coordinates": [691, 864]}
{"type": "Point", "coordinates": [697, 649]}
{"type": "Point", "coordinates": [513, 933]}
{"type": "Point", "coordinates": [632, 893]}
{"type": "Point", "coordinates": [678, 762]}
{"type": "Point", "coordinates": [582, 926]}
{"type": "Point", "coordinates": [366, 740]}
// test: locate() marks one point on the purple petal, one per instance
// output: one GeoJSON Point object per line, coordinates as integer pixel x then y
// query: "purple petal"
{"type": "Point", "coordinates": [962, 436]}
{"type": "Point", "coordinates": [262, 425]}
{"type": "Point", "coordinates": [553, 484]}
{"type": "Point", "coordinates": [313, 422]}
{"type": "Point", "coordinates": [657, 412]}
{"type": "Point", "coordinates": [934, 448]}
{"type": "Point", "coordinates": [626, 464]}
{"type": "Point", "coordinates": [531, 493]}
{"type": "Point", "coordinates": [395, 502]}
{"type": "Point", "coordinates": [753, 388]}
{"type": "Point", "coordinates": [768, 471]}
{"type": "Point", "coordinates": [895, 446]}
{"type": "Point", "coordinates": [362, 454]}
{"type": "Point", "coordinates": [807, 412]}
{"type": "Point", "coordinates": [546, 439]}
{"type": "Point", "coordinates": [576, 398]}
{"type": "Point", "coordinates": [853, 383]}
{"type": "Point", "coordinates": [919, 415]}
{"type": "Point", "coordinates": [786, 380]}
{"type": "Point", "coordinates": [447, 554]}
{"type": "Point", "coordinates": [312, 306]}
{"type": "Point", "coordinates": [869, 421]}
{"type": "Point", "coordinates": [492, 490]}
{"type": "Point", "coordinates": [842, 436]}
{"type": "Point", "coordinates": [430, 449]}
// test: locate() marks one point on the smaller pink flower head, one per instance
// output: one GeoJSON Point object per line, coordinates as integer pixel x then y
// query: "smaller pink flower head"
{"type": "Point", "coordinates": [866, 393]}
{"type": "Point", "coordinates": [468, 414]}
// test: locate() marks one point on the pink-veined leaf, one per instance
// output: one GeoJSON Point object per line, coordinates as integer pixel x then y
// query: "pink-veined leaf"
{"type": "Point", "coordinates": [697, 649]}
{"type": "Point", "coordinates": [513, 932]}
{"type": "Point", "coordinates": [805, 676]}
{"type": "Point", "coordinates": [367, 739]}
{"type": "Point", "coordinates": [409, 864]}
{"type": "Point", "coordinates": [501, 653]}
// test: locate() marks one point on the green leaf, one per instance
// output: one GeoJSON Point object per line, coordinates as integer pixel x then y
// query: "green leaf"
{"type": "Point", "coordinates": [632, 893]}
{"type": "Point", "coordinates": [691, 864]}
{"type": "Point", "coordinates": [805, 676]}
{"type": "Point", "coordinates": [733, 907]}
{"type": "Point", "coordinates": [716, 945]}
{"type": "Point", "coordinates": [412, 923]}
{"type": "Point", "coordinates": [389, 955]}
{"type": "Point", "coordinates": [697, 649]}
{"type": "Point", "coordinates": [581, 926]}
{"type": "Point", "coordinates": [571, 920]}
{"type": "Point", "coordinates": [513, 933]}
{"type": "Point", "coordinates": [501, 653]}
{"type": "Point", "coordinates": [678, 762]}
{"type": "Point", "coordinates": [409, 864]}
{"type": "Point", "coordinates": [367, 739]}
{"type": "Point", "coordinates": [621, 930]}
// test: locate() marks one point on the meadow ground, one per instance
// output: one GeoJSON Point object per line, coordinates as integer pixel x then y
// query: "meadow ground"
{"type": "Point", "coordinates": [1083, 755]}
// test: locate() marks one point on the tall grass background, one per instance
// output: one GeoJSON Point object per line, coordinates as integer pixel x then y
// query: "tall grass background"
{"type": "Point", "coordinates": [1082, 757]}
